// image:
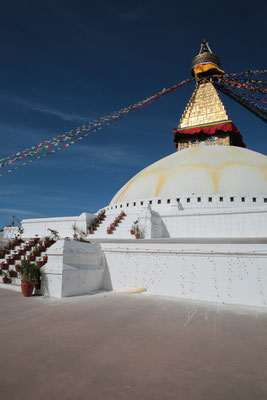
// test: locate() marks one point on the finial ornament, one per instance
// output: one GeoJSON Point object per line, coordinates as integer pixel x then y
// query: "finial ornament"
{"type": "Point", "coordinates": [205, 64]}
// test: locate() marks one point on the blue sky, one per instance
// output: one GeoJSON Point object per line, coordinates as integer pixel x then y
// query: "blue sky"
{"type": "Point", "coordinates": [65, 62]}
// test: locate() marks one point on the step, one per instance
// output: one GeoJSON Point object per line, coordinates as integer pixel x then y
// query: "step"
{"type": "Point", "coordinates": [10, 286]}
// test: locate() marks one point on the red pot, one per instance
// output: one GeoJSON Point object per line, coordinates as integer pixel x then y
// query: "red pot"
{"type": "Point", "coordinates": [39, 263]}
{"type": "Point", "coordinates": [109, 231]}
{"type": "Point", "coordinates": [31, 242]}
{"type": "Point", "coordinates": [30, 258]}
{"type": "Point", "coordinates": [5, 280]}
{"type": "Point", "coordinates": [17, 266]}
{"type": "Point", "coordinates": [15, 256]}
{"type": "Point", "coordinates": [132, 232]}
{"type": "Point", "coordinates": [10, 261]}
{"type": "Point", "coordinates": [4, 266]}
{"type": "Point", "coordinates": [21, 252]}
{"type": "Point", "coordinates": [27, 288]}
{"type": "Point", "coordinates": [44, 259]}
{"type": "Point", "coordinates": [137, 236]}
{"type": "Point", "coordinates": [36, 240]}
{"type": "Point", "coordinates": [2, 255]}
{"type": "Point", "coordinates": [26, 248]}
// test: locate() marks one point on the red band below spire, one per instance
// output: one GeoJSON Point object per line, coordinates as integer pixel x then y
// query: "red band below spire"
{"type": "Point", "coordinates": [211, 129]}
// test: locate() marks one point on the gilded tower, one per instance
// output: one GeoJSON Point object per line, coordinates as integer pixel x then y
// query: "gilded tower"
{"type": "Point", "coordinates": [205, 120]}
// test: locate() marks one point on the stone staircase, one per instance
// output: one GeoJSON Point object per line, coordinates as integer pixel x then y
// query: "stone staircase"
{"type": "Point", "coordinates": [13, 254]}
{"type": "Point", "coordinates": [121, 231]}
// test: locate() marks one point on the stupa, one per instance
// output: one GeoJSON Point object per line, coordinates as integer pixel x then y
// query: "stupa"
{"type": "Point", "coordinates": [200, 213]}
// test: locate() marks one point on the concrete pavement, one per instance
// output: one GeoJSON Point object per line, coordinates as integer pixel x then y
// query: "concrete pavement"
{"type": "Point", "coordinates": [130, 346]}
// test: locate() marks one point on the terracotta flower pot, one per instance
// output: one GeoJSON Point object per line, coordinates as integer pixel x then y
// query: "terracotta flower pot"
{"type": "Point", "coordinates": [5, 280]}
{"type": "Point", "coordinates": [10, 261]}
{"type": "Point", "coordinates": [36, 240]}
{"type": "Point", "coordinates": [44, 259]}
{"type": "Point", "coordinates": [132, 232]}
{"type": "Point", "coordinates": [27, 288]}
{"type": "Point", "coordinates": [137, 236]}
{"type": "Point", "coordinates": [109, 231]}
{"type": "Point", "coordinates": [39, 263]}
{"type": "Point", "coordinates": [30, 258]}
{"type": "Point", "coordinates": [4, 266]}
{"type": "Point", "coordinates": [21, 252]}
{"type": "Point", "coordinates": [13, 274]}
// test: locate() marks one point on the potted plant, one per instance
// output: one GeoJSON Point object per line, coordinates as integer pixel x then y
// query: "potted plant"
{"type": "Point", "coordinates": [36, 239]}
{"type": "Point", "coordinates": [9, 246]}
{"type": "Point", "coordinates": [39, 263]}
{"type": "Point", "coordinates": [45, 259]}
{"type": "Point", "coordinates": [75, 230]}
{"type": "Point", "coordinates": [47, 241]}
{"type": "Point", "coordinates": [15, 256]}
{"type": "Point", "coordinates": [54, 234]}
{"type": "Point", "coordinates": [109, 230]}
{"type": "Point", "coordinates": [132, 231]}
{"type": "Point", "coordinates": [90, 229]}
{"type": "Point", "coordinates": [4, 266]}
{"type": "Point", "coordinates": [5, 278]}
{"type": "Point", "coordinates": [30, 274]}
{"type": "Point", "coordinates": [2, 252]}
{"type": "Point", "coordinates": [137, 232]}
{"type": "Point", "coordinates": [36, 252]}
{"type": "Point", "coordinates": [12, 273]}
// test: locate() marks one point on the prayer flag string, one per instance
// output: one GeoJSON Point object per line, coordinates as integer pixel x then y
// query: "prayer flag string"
{"type": "Point", "coordinates": [69, 138]}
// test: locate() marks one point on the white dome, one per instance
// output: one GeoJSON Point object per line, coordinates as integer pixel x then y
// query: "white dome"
{"type": "Point", "coordinates": [199, 170]}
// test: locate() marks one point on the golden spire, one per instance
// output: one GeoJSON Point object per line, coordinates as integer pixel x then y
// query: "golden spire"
{"type": "Point", "coordinates": [205, 106]}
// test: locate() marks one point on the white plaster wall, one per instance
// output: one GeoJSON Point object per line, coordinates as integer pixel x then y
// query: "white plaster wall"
{"type": "Point", "coordinates": [233, 273]}
{"type": "Point", "coordinates": [40, 226]}
{"type": "Point", "coordinates": [73, 268]}
{"type": "Point", "coordinates": [10, 232]}
{"type": "Point", "coordinates": [196, 216]}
